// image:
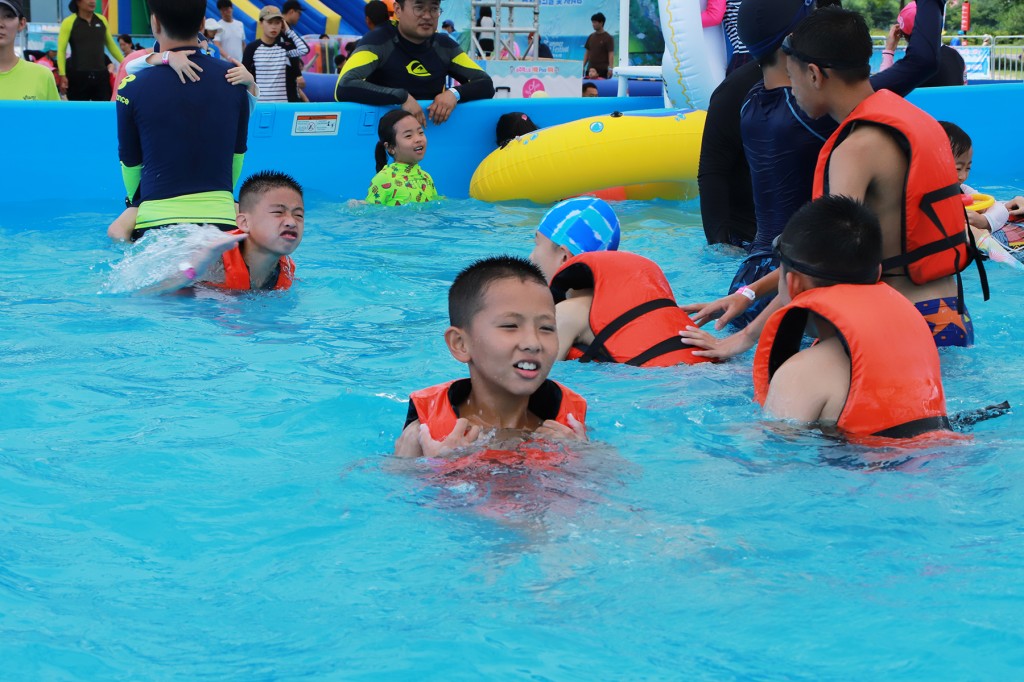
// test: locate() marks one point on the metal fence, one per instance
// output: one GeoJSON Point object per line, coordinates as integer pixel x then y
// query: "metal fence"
{"type": "Point", "coordinates": [986, 57]}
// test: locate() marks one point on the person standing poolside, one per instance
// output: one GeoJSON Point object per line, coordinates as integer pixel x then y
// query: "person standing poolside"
{"type": "Point", "coordinates": [855, 378]}
{"type": "Point", "coordinates": [19, 79]}
{"type": "Point", "coordinates": [84, 75]}
{"type": "Point", "coordinates": [232, 32]}
{"type": "Point", "coordinates": [163, 121]}
{"type": "Point", "coordinates": [599, 50]}
{"type": "Point", "coordinates": [408, 60]}
{"type": "Point", "coordinates": [612, 306]}
{"type": "Point", "coordinates": [269, 58]}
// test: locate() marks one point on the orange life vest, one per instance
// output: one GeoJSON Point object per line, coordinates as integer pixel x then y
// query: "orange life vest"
{"type": "Point", "coordinates": [934, 235]}
{"type": "Point", "coordinates": [435, 406]}
{"type": "Point", "coordinates": [634, 317]}
{"type": "Point", "coordinates": [895, 378]}
{"type": "Point", "coordinates": [236, 272]}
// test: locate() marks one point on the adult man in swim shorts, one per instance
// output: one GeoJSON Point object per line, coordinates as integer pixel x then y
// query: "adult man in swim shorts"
{"type": "Point", "coordinates": [855, 378]}
{"type": "Point", "coordinates": [612, 306]}
{"type": "Point", "coordinates": [407, 60]}
{"type": "Point", "coordinates": [181, 144]}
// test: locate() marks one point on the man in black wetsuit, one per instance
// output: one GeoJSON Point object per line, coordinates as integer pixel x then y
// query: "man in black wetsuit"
{"type": "Point", "coordinates": [406, 61]}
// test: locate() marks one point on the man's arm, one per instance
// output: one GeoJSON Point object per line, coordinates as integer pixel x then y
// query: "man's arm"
{"type": "Point", "coordinates": [474, 82]}
{"type": "Point", "coordinates": [301, 48]}
{"type": "Point", "coordinates": [922, 58]}
{"type": "Point", "coordinates": [129, 148]}
{"type": "Point", "coordinates": [353, 85]}
{"type": "Point", "coordinates": [63, 36]}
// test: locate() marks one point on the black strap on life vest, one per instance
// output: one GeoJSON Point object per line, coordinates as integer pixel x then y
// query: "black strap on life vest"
{"type": "Point", "coordinates": [916, 428]}
{"type": "Point", "coordinates": [669, 345]}
{"type": "Point", "coordinates": [597, 346]}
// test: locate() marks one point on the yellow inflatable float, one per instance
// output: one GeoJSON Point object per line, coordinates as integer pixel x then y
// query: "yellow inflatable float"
{"type": "Point", "coordinates": [646, 155]}
{"type": "Point", "coordinates": [978, 202]}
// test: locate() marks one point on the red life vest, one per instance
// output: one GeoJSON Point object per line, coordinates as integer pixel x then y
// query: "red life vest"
{"type": "Point", "coordinates": [634, 316]}
{"type": "Point", "coordinates": [435, 406]}
{"type": "Point", "coordinates": [236, 272]}
{"type": "Point", "coordinates": [895, 378]}
{"type": "Point", "coordinates": [934, 235]}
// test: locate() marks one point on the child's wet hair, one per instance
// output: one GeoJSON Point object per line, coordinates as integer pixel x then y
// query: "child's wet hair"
{"type": "Point", "coordinates": [386, 135]}
{"type": "Point", "coordinates": [959, 141]}
{"type": "Point", "coordinates": [849, 248]}
{"type": "Point", "coordinates": [258, 184]}
{"type": "Point", "coordinates": [466, 295]}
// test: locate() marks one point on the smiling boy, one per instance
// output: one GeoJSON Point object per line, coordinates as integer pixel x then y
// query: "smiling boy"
{"type": "Point", "coordinates": [502, 320]}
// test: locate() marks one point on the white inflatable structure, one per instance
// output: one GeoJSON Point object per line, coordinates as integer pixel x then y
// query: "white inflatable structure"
{"type": "Point", "coordinates": [694, 60]}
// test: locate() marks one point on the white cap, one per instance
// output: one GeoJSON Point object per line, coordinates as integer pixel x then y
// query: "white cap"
{"type": "Point", "coordinates": [211, 24]}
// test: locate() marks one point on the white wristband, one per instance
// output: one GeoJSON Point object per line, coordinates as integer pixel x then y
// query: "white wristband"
{"type": "Point", "coordinates": [165, 57]}
{"type": "Point", "coordinates": [458, 97]}
{"type": "Point", "coordinates": [748, 292]}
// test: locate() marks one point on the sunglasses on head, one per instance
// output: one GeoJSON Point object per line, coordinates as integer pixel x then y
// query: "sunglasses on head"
{"type": "Point", "coordinates": [789, 50]}
{"type": "Point", "coordinates": [866, 276]}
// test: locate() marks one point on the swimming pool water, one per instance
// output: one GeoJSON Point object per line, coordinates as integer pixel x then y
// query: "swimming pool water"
{"type": "Point", "coordinates": [201, 488]}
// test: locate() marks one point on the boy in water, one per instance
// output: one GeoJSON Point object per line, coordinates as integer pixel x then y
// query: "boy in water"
{"type": "Point", "coordinates": [612, 306]}
{"type": "Point", "coordinates": [502, 321]}
{"type": "Point", "coordinates": [855, 377]}
{"type": "Point", "coordinates": [271, 219]}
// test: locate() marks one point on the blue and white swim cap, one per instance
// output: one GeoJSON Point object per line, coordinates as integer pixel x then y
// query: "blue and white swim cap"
{"type": "Point", "coordinates": [582, 225]}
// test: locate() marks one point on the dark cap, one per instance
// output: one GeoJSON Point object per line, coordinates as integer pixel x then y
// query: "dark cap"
{"type": "Point", "coordinates": [447, 22]}
{"type": "Point", "coordinates": [762, 24]}
{"type": "Point", "coordinates": [14, 5]}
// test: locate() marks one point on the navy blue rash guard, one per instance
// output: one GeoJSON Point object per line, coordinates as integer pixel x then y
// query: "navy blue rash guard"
{"type": "Point", "coordinates": [781, 144]}
{"type": "Point", "coordinates": [184, 135]}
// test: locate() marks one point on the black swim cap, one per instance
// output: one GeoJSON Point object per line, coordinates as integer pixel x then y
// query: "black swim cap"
{"type": "Point", "coordinates": [762, 24]}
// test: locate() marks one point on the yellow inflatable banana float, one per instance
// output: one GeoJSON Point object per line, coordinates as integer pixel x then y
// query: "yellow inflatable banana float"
{"type": "Point", "coordinates": [637, 155]}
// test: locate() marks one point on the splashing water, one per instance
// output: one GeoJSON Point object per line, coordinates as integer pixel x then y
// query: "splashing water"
{"type": "Point", "coordinates": [158, 256]}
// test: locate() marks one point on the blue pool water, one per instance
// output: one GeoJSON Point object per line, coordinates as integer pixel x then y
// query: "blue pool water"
{"type": "Point", "coordinates": [200, 488]}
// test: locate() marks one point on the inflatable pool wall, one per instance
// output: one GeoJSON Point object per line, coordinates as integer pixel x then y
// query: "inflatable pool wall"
{"type": "Point", "coordinates": [336, 164]}
{"type": "Point", "coordinates": [340, 166]}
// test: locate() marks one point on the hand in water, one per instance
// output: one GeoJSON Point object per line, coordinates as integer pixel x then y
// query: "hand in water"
{"type": "Point", "coordinates": [724, 309]}
{"type": "Point", "coordinates": [463, 435]}
{"type": "Point", "coordinates": [716, 348]}
{"type": "Point", "coordinates": [576, 430]}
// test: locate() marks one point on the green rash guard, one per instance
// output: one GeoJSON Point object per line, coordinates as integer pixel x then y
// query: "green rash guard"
{"type": "Point", "coordinates": [399, 183]}
{"type": "Point", "coordinates": [386, 68]}
{"type": "Point", "coordinates": [87, 39]}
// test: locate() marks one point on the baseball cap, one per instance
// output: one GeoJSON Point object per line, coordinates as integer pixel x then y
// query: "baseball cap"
{"type": "Point", "coordinates": [14, 5]}
{"type": "Point", "coordinates": [762, 24]}
{"type": "Point", "coordinates": [211, 24]}
{"type": "Point", "coordinates": [270, 12]}
{"type": "Point", "coordinates": [49, 46]}
{"type": "Point", "coordinates": [447, 22]}
{"type": "Point", "coordinates": [582, 225]}
{"type": "Point", "coordinates": [906, 18]}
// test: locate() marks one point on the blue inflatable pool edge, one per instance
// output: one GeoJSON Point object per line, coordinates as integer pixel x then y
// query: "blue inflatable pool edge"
{"type": "Point", "coordinates": [334, 159]}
